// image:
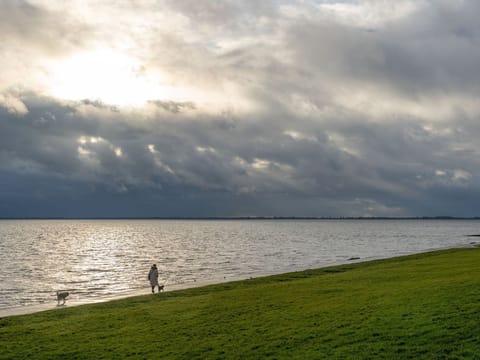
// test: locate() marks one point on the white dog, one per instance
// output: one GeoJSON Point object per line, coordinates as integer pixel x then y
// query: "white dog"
{"type": "Point", "coordinates": [62, 295]}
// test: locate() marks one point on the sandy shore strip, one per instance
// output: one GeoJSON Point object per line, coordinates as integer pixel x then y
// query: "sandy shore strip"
{"type": "Point", "coordinates": [30, 309]}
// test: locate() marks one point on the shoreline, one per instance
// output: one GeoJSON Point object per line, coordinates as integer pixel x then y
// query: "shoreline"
{"type": "Point", "coordinates": [420, 306]}
{"type": "Point", "coordinates": [31, 309]}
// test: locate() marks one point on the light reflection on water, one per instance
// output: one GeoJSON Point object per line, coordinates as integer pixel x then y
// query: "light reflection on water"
{"type": "Point", "coordinates": [93, 258]}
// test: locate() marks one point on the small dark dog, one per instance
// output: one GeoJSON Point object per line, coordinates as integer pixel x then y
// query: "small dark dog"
{"type": "Point", "coordinates": [161, 288]}
{"type": "Point", "coordinates": [62, 295]}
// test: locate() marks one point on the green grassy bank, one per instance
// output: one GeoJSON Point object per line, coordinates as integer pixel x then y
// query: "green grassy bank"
{"type": "Point", "coordinates": [424, 306]}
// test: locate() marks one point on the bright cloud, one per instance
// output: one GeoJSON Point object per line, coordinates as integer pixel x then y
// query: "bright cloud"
{"type": "Point", "coordinates": [106, 75]}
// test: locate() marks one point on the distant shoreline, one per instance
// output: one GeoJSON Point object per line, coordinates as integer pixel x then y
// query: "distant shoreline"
{"type": "Point", "coordinates": [248, 218]}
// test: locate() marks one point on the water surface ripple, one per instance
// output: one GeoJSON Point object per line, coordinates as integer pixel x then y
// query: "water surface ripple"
{"type": "Point", "coordinates": [94, 258]}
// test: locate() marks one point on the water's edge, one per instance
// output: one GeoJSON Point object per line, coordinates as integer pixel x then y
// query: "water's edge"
{"type": "Point", "coordinates": [30, 309]}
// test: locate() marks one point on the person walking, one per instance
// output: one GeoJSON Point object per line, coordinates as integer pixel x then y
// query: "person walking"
{"type": "Point", "coordinates": [153, 277]}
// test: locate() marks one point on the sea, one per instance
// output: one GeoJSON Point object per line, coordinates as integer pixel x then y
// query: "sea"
{"type": "Point", "coordinates": [95, 259]}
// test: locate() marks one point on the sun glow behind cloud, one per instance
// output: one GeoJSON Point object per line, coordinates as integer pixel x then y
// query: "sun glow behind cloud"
{"type": "Point", "coordinates": [109, 76]}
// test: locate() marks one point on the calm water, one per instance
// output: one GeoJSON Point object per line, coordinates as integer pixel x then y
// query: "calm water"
{"type": "Point", "coordinates": [97, 258]}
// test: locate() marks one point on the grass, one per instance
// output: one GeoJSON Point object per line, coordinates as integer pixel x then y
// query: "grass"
{"type": "Point", "coordinates": [425, 306]}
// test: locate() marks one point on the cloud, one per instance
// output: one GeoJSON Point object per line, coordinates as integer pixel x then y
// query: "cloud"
{"type": "Point", "coordinates": [286, 108]}
{"type": "Point", "coordinates": [31, 35]}
{"type": "Point", "coordinates": [12, 104]}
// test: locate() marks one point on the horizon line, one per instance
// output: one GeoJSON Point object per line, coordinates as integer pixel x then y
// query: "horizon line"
{"type": "Point", "coordinates": [246, 218]}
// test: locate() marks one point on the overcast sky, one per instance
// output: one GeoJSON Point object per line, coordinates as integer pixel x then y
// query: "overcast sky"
{"type": "Point", "coordinates": [239, 108]}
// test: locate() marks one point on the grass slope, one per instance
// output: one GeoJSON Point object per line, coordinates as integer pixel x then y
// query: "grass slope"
{"type": "Point", "coordinates": [424, 306]}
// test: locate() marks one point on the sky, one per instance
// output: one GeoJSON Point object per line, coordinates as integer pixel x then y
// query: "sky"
{"type": "Point", "coordinates": [186, 108]}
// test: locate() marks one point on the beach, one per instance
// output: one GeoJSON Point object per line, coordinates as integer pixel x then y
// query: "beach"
{"type": "Point", "coordinates": [31, 309]}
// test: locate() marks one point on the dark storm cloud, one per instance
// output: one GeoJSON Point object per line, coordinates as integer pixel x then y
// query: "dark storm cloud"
{"type": "Point", "coordinates": [188, 158]}
{"type": "Point", "coordinates": [434, 50]}
{"type": "Point", "coordinates": [336, 119]}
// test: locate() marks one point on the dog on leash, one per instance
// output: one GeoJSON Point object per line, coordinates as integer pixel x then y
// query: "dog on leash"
{"type": "Point", "coordinates": [161, 288]}
{"type": "Point", "coordinates": [62, 296]}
